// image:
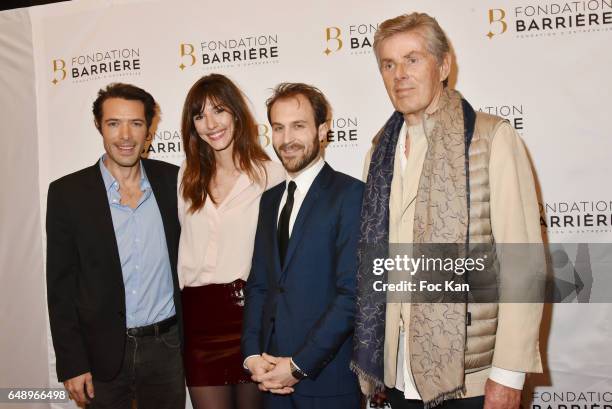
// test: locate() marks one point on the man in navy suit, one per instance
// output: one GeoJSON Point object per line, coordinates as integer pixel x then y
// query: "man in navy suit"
{"type": "Point", "coordinates": [300, 295]}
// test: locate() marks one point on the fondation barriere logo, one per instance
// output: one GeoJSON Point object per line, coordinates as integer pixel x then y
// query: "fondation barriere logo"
{"type": "Point", "coordinates": [231, 52]}
{"type": "Point", "coordinates": [514, 113]}
{"type": "Point", "coordinates": [557, 399]}
{"type": "Point", "coordinates": [575, 217]}
{"type": "Point", "coordinates": [164, 144]}
{"type": "Point", "coordinates": [343, 132]}
{"type": "Point", "coordinates": [97, 64]}
{"type": "Point", "coordinates": [539, 19]}
{"type": "Point", "coordinates": [354, 38]}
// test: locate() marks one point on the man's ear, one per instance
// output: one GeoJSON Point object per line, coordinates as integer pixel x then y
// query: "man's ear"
{"type": "Point", "coordinates": [97, 125]}
{"type": "Point", "coordinates": [445, 67]}
{"type": "Point", "coordinates": [322, 131]}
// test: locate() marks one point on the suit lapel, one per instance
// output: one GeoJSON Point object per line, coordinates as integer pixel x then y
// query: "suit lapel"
{"type": "Point", "coordinates": [299, 226]}
{"type": "Point", "coordinates": [164, 204]}
{"type": "Point", "coordinates": [99, 207]}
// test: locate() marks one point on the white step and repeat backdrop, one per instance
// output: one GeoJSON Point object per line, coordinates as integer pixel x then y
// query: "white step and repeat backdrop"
{"type": "Point", "coordinates": [543, 65]}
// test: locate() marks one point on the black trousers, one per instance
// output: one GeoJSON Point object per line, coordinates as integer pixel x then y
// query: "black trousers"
{"type": "Point", "coordinates": [151, 374]}
{"type": "Point", "coordinates": [398, 401]}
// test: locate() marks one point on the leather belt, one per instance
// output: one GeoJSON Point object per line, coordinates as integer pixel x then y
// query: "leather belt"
{"type": "Point", "coordinates": [158, 328]}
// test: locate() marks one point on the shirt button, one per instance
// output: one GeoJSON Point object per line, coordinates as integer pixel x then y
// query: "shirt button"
{"type": "Point", "coordinates": [133, 291]}
{"type": "Point", "coordinates": [136, 267]}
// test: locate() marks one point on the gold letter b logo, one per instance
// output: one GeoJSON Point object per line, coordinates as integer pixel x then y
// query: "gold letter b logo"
{"type": "Point", "coordinates": [187, 50]}
{"type": "Point", "coordinates": [332, 33]}
{"type": "Point", "coordinates": [501, 14]}
{"type": "Point", "coordinates": [59, 65]}
{"type": "Point", "coordinates": [264, 138]}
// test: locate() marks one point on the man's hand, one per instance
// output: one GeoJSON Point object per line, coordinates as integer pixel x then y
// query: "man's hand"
{"type": "Point", "coordinates": [498, 396]}
{"type": "Point", "coordinates": [279, 380]}
{"type": "Point", "coordinates": [258, 366]}
{"type": "Point", "coordinates": [77, 386]}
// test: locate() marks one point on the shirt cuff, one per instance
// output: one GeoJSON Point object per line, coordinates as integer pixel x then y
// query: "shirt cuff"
{"type": "Point", "coordinates": [511, 379]}
{"type": "Point", "coordinates": [296, 365]}
{"type": "Point", "coordinates": [245, 361]}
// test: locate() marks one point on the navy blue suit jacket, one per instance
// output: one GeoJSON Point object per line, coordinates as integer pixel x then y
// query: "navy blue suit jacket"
{"type": "Point", "coordinates": [308, 305]}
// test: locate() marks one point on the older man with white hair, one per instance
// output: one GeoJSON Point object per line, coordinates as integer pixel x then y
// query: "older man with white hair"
{"type": "Point", "coordinates": [439, 172]}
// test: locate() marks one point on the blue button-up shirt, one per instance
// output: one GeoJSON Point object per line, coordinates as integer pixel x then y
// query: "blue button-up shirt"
{"type": "Point", "coordinates": [143, 252]}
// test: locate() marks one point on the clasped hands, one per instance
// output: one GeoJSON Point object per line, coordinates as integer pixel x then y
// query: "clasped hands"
{"type": "Point", "coordinates": [272, 373]}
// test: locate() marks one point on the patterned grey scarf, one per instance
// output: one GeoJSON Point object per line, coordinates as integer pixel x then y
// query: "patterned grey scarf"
{"type": "Point", "coordinates": [437, 331]}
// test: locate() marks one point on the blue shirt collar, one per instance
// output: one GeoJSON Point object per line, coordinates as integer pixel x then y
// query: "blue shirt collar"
{"type": "Point", "coordinates": [111, 182]}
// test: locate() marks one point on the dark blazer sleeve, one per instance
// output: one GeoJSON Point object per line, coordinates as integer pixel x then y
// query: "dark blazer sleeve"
{"type": "Point", "coordinates": [336, 325]}
{"type": "Point", "coordinates": [255, 291]}
{"type": "Point", "coordinates": [62, 270]}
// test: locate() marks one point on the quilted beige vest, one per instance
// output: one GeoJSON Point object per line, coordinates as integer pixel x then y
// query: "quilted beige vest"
{"type": "Point", "coordinates": [483, 317]}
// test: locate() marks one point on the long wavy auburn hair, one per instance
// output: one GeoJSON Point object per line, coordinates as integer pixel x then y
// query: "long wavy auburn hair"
{"type": "Point", "coordinates": [200, 164]}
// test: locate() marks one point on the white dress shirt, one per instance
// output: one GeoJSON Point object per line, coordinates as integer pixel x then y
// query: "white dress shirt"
{"type": "Point", "coordinates": [303, 182]}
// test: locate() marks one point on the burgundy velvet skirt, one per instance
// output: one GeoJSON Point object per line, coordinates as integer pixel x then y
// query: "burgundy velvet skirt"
{"type": "Point", "coordinates": [212, 316]}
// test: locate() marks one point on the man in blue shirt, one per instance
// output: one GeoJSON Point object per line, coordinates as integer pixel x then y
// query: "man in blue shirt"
{"type": "Point", "coordinates": [112, 244]}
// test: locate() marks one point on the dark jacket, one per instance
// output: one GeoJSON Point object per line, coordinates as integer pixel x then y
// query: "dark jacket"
{"type": "Point", "coordinates": [85, 291]}
{"type": "Point", "coordinates": [305, 309]}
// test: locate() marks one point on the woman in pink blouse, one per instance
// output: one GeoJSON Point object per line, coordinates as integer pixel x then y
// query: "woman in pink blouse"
{"type": "Point", "coordinates": [220, 184]}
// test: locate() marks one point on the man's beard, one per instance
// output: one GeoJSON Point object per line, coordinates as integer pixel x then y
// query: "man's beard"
{"type": "Point", "coordinates": [299, 164]}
